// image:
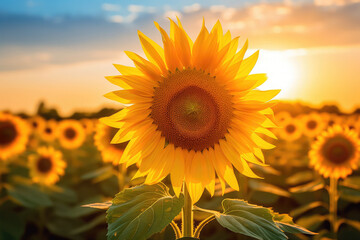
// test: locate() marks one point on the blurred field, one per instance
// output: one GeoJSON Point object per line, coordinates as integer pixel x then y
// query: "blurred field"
{"type": "Point", "coordinates": [49, 209]}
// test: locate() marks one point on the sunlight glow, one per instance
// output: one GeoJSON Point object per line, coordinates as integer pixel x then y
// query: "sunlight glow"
{"type": "Point", "coordinates": [281, 70]}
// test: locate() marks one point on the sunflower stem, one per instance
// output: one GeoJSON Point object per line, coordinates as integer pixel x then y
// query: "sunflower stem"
{"type": "Point", "coordinates": [202, 225]}
{"type": "Point", "coordinates": [333, 194]}
{"type": "Point", "coordinates": [187, 215]}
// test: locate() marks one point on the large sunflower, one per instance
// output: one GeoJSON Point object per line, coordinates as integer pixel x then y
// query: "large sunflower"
{"type": "Point", "coordinates": [14, 133]}
{"type": "Point", "coordinates": [194, 110]}
{"type": "Point", "coordinates": [109, 152]}
{"type": "Point", "coordinates": [46, 166]}
{"type": "Point", "coordinates": [71, 134]}
{"type": "Point", "coordinates": [336, 152]}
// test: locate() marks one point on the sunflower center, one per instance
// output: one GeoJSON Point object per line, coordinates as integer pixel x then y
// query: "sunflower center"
{"type": "Point", "coordinates": [44, 164]}
{"type": "Point", "coordinates": [191, 109]}
{"type": "Point", "coordinates": [7, 133]}
{"type": "Point", "coordinates": [338, 150]}
{"type": "Point", "coordinates": [70, 133]}
{"type": "Point", "coordinates": [311, 124]}
{"type": "Point", "coordinates": [48, 130]}
{"type": "Point", "coordinates": [290, 128]}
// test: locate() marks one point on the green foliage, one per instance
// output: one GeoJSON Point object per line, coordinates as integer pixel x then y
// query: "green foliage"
{"type": "Point", "coordinates": [12, 224]}
{"type": "Point", "coordinates": [255, 221]}
{"type": "Point", "coordinates": [139, 212]}
{"type": "Point", "coordinates": [268, 188]}
{"type": "Point", "coordinates": [29, 196]}
{"type": "Point", "coordinates": [285, 223]}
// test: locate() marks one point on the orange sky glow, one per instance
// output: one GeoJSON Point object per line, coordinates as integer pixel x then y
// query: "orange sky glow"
{"type": "Point", "coordinates": [310, 58]}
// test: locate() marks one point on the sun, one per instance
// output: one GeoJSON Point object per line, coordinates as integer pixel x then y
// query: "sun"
{"type": "Point", "coordinates": [282, 71]}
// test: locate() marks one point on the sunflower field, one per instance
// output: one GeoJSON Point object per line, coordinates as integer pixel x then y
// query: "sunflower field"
{"type": "Point", "coordinates": [52, 168]}
{"type": "Point", "coordinates": [195, 146]}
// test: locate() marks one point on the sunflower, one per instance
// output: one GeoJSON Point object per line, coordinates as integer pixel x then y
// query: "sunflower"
{"type": "Point", "coordinates": [291, 129]}
{"type": "Point", "coordinates": [71, 134]}
{"type": "Point", "coordinates": [336, 152]}
{"type": "Point", "coordinates": [313, 124]}
{"type": "Point", "coordinates": [88, 125]}
{"type": "Point", "coordinates": [282, 116]}
{"type": "Point", "coordinates": [46, 166]}
{"type": "Point", "coordinates": [194, 111]}
{"type": "Point", "coordinates": [14, 134]}
{"type": "Point", "coordinates": [109, 152]}
{"type": "Point", "coordinates": [37, 124]}
{"type": "Point", "coordinates": [49, 131]}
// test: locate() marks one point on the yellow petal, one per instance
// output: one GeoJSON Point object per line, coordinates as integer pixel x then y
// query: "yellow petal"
{"type": "Point", "coordinates": [182, 45]}
{"type": "Point", "coordinates": [126, 70]}
{"type": "Point", "coordinates": [195, 191]}
{"type": "Point", "coordinates": [223, 167]}
{"type": "Point", "coordinates": [247, 65]}
{"type": "Point", "coordinates": [261, 143]}
{"type": "Point", "coordinates": [177, 172]}
{"type": "Point", "coordinates": [153, 51]}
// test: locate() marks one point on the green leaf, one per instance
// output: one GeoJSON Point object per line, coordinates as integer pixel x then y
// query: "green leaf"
{"type": "Point", "coordinates": [300, 177]}
{"type": "Point", "coordinates": [250, 220]}
{"type": "Point", "coordinates": [309, 187]}
{"type": "Point", "coordinates": [349, 194]}
{"type": "Point", "coordinates": [312, 222]}
{"type": "Point", "coordinates": [104, 205]}
{"type": "Point", "coordinates": [353, 223]}
{"type": "Point", "coordinates": [139, 212]}
{"type": "Point", "coordinates": [303, 209]}
{"type": "Point", "coordinates": [89, 225]}
{"type": "Point", "coordinates": [268, 188]}
{"type": "Point", "coordinates": [286, 224]}
{"type": "Point", "coordinates": [352, 182]}
{"type": "Point", "coordinates": [29, 195]}
{"type": "Point", "coordinates": [101, 173]}
{"type": "Point", "coordinates": [12, 224]}
{"type": "Point", "coordinates": [62, 194]}
{"type": "Point", "coordinates": [73, 212]}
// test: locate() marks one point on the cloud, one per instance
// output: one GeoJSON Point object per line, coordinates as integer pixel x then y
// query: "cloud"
{"type": "Point", "coordinates": [30, 41]}
{"type": "Point", "coordinates": [192, 8]}
{"type": "Point", "coordinates": [140, 9]}
{"type": "Point", "coordinates": [172, 14]}
{"type": "Point", "coordinates": [287, 24]}
{"type": "Point", "coordinates": [327, 3]}
{"type": "Point", "coordinates": [123, 19]}
{"type": "Point", "coordinates": [111, 7]}
{"type": "Point", "coordinates": [134, 12]}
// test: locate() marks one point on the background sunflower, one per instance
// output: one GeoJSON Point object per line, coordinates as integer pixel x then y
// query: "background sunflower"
{"type": "Point", "coordinates": [14, 134]}
{"type": "Point", "coordinates": [102, 138]}
{"type": "Point", "coordinates": [46, 166]}
{"type": "Point", "coordinates": [336, 152]}
{"type": "Point", "coordinates": [71, 134]}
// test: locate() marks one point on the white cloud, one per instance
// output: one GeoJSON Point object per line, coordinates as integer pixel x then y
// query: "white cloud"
{"type": "Point", "coordinates": [140, 8]}
{"type": "Point", "coordinates": [116, 19]}
{"type": "Point", "coordinates": [226, 13]}
{"type": "Point", "coordinates": [328, 3]}
{"type": "Point", "coordinates": [192, 8]}
{"type": "Point", "coordinates": [110, 7]}
{"type": "Point", "coordinates": [172, 14]}
{"type": "Point", "coordinates": [123, 19]}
